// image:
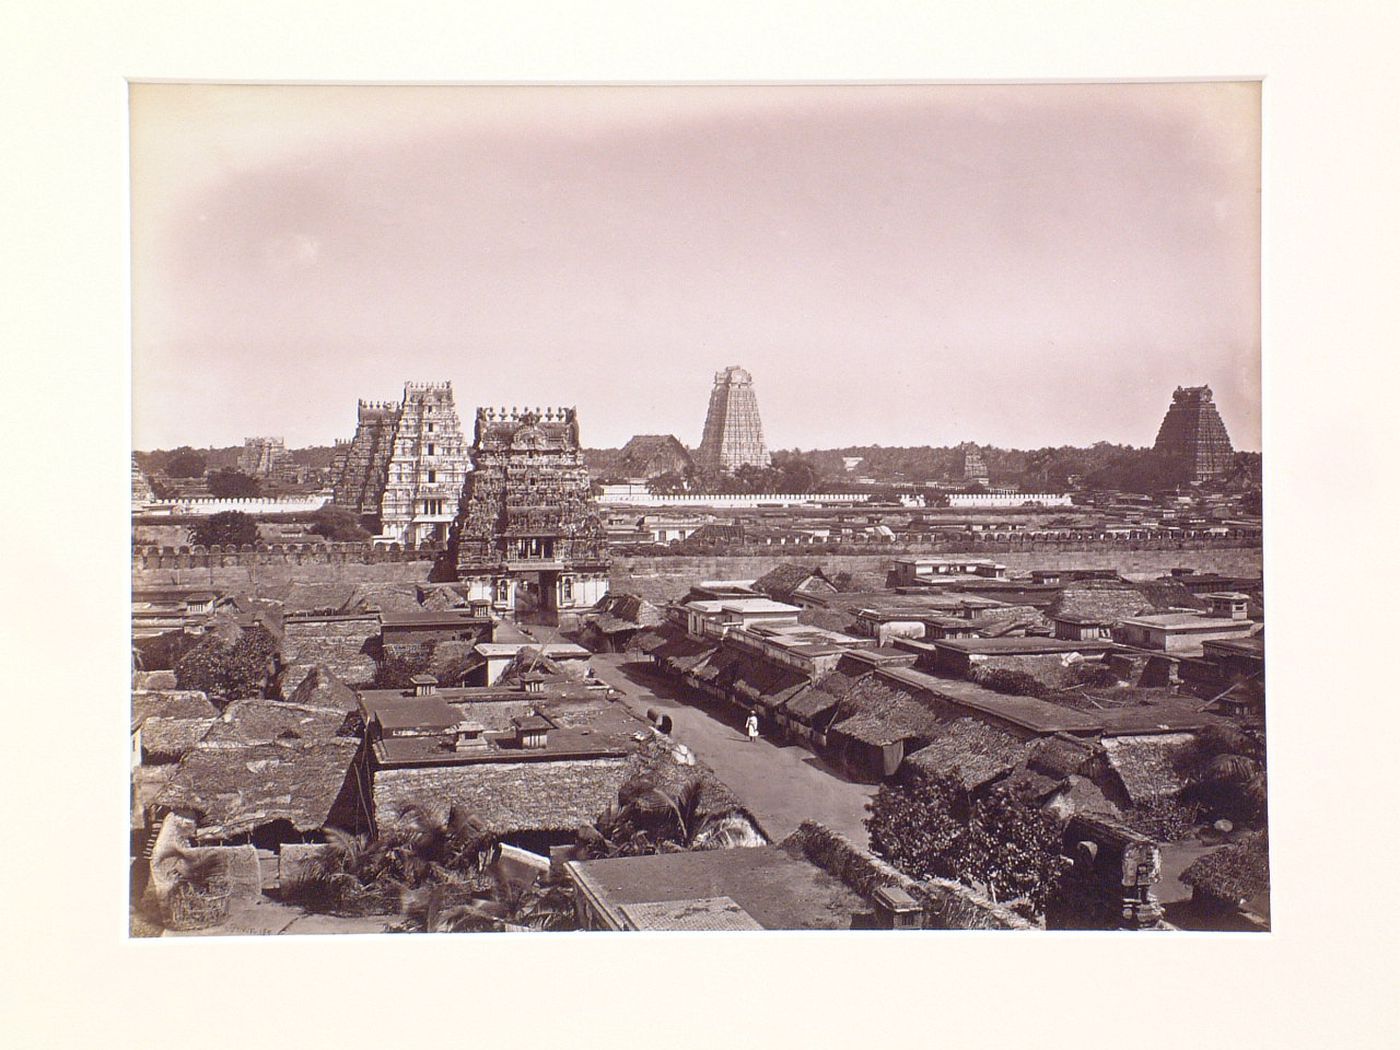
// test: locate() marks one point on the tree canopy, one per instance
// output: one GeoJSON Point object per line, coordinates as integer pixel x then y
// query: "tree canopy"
{"type": "Point", "coordinates": [233, 484]}
{"type": "Point", "coordinates": [1002, 844]}
{"type": "Point", "coordinates": [227, 528]}
{"type": "Point", "coordinates": [338, 525]}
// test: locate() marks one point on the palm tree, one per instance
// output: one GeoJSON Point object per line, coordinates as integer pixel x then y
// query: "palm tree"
{"type": "Point", "coordinates": [1225, 770]}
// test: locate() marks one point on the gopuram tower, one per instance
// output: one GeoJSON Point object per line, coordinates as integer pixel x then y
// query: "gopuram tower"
{"type": "Point", "coordinates": [403, 471]}
{"type": "Point", "coordinates": [733, 436]}
{"type": "Point", "coordinates": [527, 537]}
{"type": "Point", "coordinates": [1194, 437]}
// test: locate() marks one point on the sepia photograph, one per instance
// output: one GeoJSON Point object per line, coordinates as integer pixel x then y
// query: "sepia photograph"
{"type": "Point", "coordinates": [681, 507]}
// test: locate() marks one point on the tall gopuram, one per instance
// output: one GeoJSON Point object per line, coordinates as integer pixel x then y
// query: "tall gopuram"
{"type": "Point", "coordinates": [528, 537]}
{"type": "Point", "coordinates": [261, 456]}
{"type": "Point", "coordinates": [974, 466]}
{"type": "Point", "coordinates": [427, 467]}
{"type": "Point", "coordinates": [141, 490]}
{"type": "Point", "coordinates": [1194, 436]}
{"type": "Point", "coordinates": [733, 436]}
{"type": "Point", "coordinates": [403, 471]}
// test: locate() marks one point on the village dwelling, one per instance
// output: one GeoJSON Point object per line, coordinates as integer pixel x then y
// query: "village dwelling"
{"type": "Point", "coordinates": [812, 880]}
{"type": "Point", "coordinates": [533, 763]}
{"type": "Point", "coordinates": [1185, 632]}
{"type": "Point", "coordinates": [932, 571]}
{"type": "Point", "coordinates": [792, 583]}
{"type": "Point", "coordinates": [907, 616]}
{"type": "Point", "coordinates": [1048, 659]}
{"type": "Point", "coordinates": [616, 620]}
{"type": "Point", "coordinates": [267, 773]}
{"type": "Point", "coordinates": [715, 618]}
{"type": "Point", "coordinates": [405, 633]}
{"type": "Point", "coordinates": [1229, 673]}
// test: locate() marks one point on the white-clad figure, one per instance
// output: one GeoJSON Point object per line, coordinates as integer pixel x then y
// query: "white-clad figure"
{"type": "Point", "coordinates": [751, 726]}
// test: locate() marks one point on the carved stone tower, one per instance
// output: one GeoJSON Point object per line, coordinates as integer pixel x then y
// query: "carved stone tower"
{"type": "Point", "coordinates": [403, 471]}
{"type": "Point", "coordinates": [1194, 436]}
{"type": "Point", "coordinates": [528, 538]}
{"type": "Point", "coordinates": [733, 435]}
{"type": "Point", "coordinates": [427, 468]}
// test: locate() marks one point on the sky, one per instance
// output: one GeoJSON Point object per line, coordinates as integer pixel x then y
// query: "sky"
{"type": "Point", "coordinates": [1015, 265]}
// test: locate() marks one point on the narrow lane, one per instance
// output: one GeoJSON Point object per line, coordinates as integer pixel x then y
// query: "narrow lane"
{"type": "Point", "coordinates": [781, 784]}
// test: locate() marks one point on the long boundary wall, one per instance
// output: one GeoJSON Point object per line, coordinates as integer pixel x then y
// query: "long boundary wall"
{"type": "Point", "coordinates": [280, 563]}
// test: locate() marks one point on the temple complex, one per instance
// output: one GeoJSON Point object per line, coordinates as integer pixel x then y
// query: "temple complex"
{"type": "Point", "coordinates": [1194, 435]}
{"type": "Point", "coordinates": [651, 455]}
{"type": "Point", "coordinates": [141, 490]}
{"type": "Point", "coordinates": [403, 471]}
{"type": "Point", "coordinates": [733, 435]}
{"type": "Point", "coordinates": [261, 456]}
{"type": "Point", "coordinates": [974, 467]}
{"type": "Point", "coordinates": [528, 538]}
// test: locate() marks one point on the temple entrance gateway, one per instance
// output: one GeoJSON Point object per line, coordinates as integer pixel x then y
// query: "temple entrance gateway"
{"type": "Point", "coordinates": [529, 536]}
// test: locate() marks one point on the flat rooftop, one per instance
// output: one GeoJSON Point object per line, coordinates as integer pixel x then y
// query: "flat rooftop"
{"type": "Point", "coordinates": [1020, 646]}
{"type": "Point", "coordinates": [778, 888]}
{"type": "Point", "coordinates": [433, 618]}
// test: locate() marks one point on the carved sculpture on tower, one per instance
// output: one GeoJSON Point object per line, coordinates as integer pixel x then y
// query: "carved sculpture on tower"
{"type": "Point", "coordinates": [1193, 436]}
{"type": "Point", "coordinates": [403, 471]}
{"type": "Point", "coordinates": [733, 436]}
{"type": "Point", "coordinates": [528, 533]}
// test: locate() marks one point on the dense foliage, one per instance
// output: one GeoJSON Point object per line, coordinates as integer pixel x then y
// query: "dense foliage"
{"type": "Point", "coordinates": [1226, 775]}
{"type": "Point", "coordinates": [338, 525]}
{"type": "Point", "coordinates": [184, 462]}
{"type": "Point", "coordinates": [1001, 844]}
{"type": "Point", "coordinates": [230, 671]}
{"type": "Point", "coordinates": [648, 820]}
{"type": "Point", "coordinates": [227, 528]}
{"type": "Point", "coordinates": [232, 484]}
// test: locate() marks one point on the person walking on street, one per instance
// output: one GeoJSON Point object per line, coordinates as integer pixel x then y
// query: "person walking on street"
{"type": "Point", "coordinates": [751, 726]}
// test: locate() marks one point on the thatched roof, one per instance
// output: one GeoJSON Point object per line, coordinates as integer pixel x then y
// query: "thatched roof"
{"type": "Point", "coordinates": [814, 703]}
{"type": "Point", "coordinates": [303, 596]}
{"type": "Point", "coordinates": [766, 684]}
{"type": "Point", "coordinates": [440, 597]}
{"type": "Point", "coordinates": [841, 620]}
{"type": "Point", "coordinates": [782, 581]}
{"type": "Point", "coordinates": [1060, 755]}
{"type": "Point", "coordinates": [656, 589]}
{"type": "Point", "coordinates": [235, 790]}
{"type": "Point", "coordinates": [246, 723]}
{"type": "Point", "coordinates": [655, 761]}
{"type": "Point", "coordinates": [1146, 765]}
{"type": "Point", "coordinates": [147, 782]}
{"type": "Point", "coordinates": [385, 597]}
{"type": "Point", "coordinates": [971, 750]}
{"type": "Point", "coordinates": [1100, 601]}
{"type": "Point", "coordinates": [1232, 873]}
{"type": "Point", "coordinates": [528, 659]}
{"type": "Point", "coordinates": [877, 711]}
{"type": "Point", "coordinates": [169, 703]}
{"type": "Point", "coordinates": [631, 610]}
{"type": "Point", "coordinates": [510, 797]}
{"type": "Point", "coordinates": [169, 739]}
{"type": "Point", "coordinates": [321, 688]}
{"type": "Point", "coordinates": [1164, 595]}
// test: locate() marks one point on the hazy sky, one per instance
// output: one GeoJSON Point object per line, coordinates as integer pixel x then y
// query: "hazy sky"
{"type": "Point", "coordinates": [1014, 265]}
